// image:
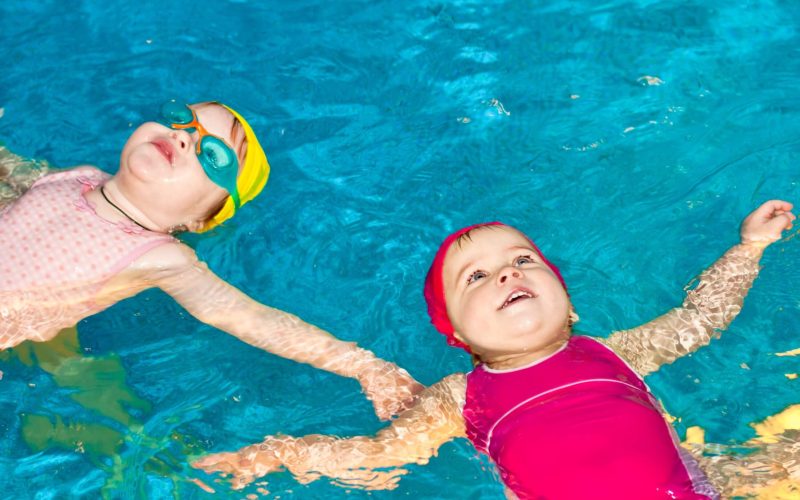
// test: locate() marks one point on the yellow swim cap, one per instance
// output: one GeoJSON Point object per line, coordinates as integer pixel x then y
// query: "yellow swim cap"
{"type": "Point", "coordinates": [252, 175]}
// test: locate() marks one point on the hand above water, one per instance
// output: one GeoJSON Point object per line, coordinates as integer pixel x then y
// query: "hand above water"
{"type": "Point", "coordinates": [765, 224]}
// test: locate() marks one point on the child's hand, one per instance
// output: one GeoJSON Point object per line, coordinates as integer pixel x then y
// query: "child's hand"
{"type": "Point", "coordinates": [766, 223]}
{"type": "Point", "coordinates": [390, 388]}
{"type": "Point", "coordinates": [244, 466]}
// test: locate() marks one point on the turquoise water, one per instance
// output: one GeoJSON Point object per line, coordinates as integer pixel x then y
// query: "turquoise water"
{"type": "Point", "coordinates": [387, 126]}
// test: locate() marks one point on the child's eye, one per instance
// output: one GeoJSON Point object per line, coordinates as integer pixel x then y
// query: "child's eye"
{"type": "Point", "coordinates": [475, 277]}
{"type": "Point", "coordinates": [523, 259]}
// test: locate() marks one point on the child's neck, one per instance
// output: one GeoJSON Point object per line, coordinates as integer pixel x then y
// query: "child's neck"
{"type": "Point", "coordinates": [110, 204]}
{"type": "Point", "coordinates": [515, 360]}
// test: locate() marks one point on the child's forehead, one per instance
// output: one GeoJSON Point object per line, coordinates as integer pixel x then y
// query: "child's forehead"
{"type": "Point", "coordinates": [212, 114]}
{"type": "Point", "coordinates": [484, 241]}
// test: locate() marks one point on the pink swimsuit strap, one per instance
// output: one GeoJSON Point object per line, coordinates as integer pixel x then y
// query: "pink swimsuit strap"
{"type": "Point", "coordinates": [578, 424]}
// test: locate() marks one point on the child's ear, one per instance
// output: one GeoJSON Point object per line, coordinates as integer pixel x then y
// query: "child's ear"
{"type": "Point", "coordinates": [193, 226]}
{"type": "Point", "coordinates": [573, 316]}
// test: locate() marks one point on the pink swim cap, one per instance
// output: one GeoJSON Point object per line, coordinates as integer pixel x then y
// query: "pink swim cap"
{"type": "Point", "coordinates": [434, 283]}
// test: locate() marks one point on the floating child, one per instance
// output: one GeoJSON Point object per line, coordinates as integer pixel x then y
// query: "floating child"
{"type": "Point", "coordinates": [561, 415]}
{"type": "Point", "coordinates": [80, 240]}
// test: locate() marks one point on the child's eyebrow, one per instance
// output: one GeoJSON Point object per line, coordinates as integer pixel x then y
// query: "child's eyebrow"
{"type": "Point", "coordinates": [520, 247]}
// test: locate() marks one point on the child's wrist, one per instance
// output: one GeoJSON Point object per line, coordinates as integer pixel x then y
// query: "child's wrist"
{"type": "Point", "coordinates": [755, 246]}
{"type": "Point", "coordinates": [287, 450]}
{"type": "Point", "coordinates": [351, 362]}
{"type": "Point", "coordinates": [363, 363]}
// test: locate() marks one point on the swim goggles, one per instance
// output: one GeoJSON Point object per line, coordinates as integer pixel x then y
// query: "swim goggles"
{"type": "Point", "coordinates": [217, 158]}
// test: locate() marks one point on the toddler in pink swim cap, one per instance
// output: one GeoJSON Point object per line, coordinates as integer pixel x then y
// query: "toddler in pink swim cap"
{"type": "Point", "coordinates": [561, 415]}
{"type": "Point", "coordinates": [434, 285]}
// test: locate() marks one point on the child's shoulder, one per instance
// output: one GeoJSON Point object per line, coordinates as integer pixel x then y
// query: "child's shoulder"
{"type": "Point", "coordinates": [167, 259]}
{"type": "Point", "coordinates": [454, 386]}
{"type": "Point", "coordinates": [85, 173]}
{"type": "Point", "coordinates": [455, 380]}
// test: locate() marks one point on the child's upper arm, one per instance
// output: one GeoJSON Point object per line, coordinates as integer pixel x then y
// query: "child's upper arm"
{"type": "Point", "coordinates": [175, 268]}
{"type": "Point", "coordinates": [707, 309]}
{"type": "Point", "coordinates": [164, 266]}
{"type": "Point", "coordinates": [16, 169]}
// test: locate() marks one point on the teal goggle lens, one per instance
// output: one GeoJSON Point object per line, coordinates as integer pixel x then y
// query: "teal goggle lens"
{"type": "Point", "coordinates": [220, 165]}
{"type": "Point", "coordinates": [174, 113]}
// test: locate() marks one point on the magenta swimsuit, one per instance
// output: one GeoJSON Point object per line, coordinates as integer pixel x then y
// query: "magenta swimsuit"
{"type": "Point", "coordinates": [579, 424]}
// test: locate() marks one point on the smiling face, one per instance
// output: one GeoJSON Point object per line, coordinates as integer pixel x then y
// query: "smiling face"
{"type": "Point", "coordinates": [502, 299]}
{"type": "Point", "coordinates": [161, 174]}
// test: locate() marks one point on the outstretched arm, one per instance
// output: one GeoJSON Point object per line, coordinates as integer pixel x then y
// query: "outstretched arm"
{"type": "Point", "coordinates": [713, 304]}
{"type": "Point", "coordinates": [413, 437]}
{"type": "Point", "coordinates": [175, 269]}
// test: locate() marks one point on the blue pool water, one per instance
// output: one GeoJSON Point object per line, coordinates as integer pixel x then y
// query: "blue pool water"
{"type": "Point", "coordinates": [389, 124]}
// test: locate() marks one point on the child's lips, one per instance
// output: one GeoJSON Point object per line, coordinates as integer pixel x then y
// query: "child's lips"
{"type": "Point", "coordinates": [165, 148]}
{"type": "Point", "coordinates": [518, 295]}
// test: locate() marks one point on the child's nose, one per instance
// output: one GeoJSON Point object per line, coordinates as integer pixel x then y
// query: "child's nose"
{"type": "Point", "coordinates": [508, 272]}
{"type": "Point", "coordinates": [182, 138]}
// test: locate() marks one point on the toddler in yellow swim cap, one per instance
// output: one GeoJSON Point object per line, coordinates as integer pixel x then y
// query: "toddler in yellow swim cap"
{"type": "Point", "coordinates": [218, 158]}
{"type": "Point", "coordinates": [105, 238]}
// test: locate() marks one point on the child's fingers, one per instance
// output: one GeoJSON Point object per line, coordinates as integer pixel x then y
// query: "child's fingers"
{"type": "Point", "coordinates": [206, 461]}
{"type": "Point", "coordinates": [391, 392]}
{"type": "Point", "coordinates": [221, 462]}
{"type": "Point", "coordinates": [791, 217]}
{"type": "Point", "coordinates": [776, 213]}
{"type": "Point", "coordinates": [784, 220]}
{"type": "Point", "coordinates": [381, 410]}
{"type": "Point", "coordinates": [769, 207]}
{"type": "Point", "coordinates": [241, 480]}
{"type": "Point", "coordinates": [776, 225]}
{"type": "Point", "coordinates": [767, 211]}
{"type": "Point", "coordinates": [200, 484]}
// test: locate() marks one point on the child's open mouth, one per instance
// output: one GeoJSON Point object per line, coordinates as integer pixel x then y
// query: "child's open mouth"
{"type": "Point", "coordinates": [518, 295]}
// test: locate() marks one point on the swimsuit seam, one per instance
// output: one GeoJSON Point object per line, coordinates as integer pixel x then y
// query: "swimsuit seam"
{"type": "Point", "coordinates": [549, 391]}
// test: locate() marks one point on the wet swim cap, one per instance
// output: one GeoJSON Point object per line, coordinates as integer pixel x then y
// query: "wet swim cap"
{"type": "Point", "coordinates": [252, 177]}
{"type": "Point", "coordinates": [434, 283]}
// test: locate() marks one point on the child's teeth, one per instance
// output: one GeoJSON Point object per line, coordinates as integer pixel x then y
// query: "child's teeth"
{"type": "Point", "coordinates": [516, 295]}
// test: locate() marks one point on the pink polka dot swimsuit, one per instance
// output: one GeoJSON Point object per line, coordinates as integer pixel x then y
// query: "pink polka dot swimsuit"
{"type": "Point", "coordinates": [578, 424]}
{"type": "Point", "coordinates": [56, 254]}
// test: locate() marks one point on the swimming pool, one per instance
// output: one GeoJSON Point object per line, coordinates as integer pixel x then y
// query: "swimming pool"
{"type": "Point", "coordinates": [628, 138]}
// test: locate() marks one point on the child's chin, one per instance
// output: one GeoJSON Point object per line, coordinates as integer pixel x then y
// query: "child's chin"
{"type": "Point", "coordinates": [525, 330]}
{"type": "Point", "coordinates": [523, 314]}
{"type": "Point", "coordinates": [533, 331]}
